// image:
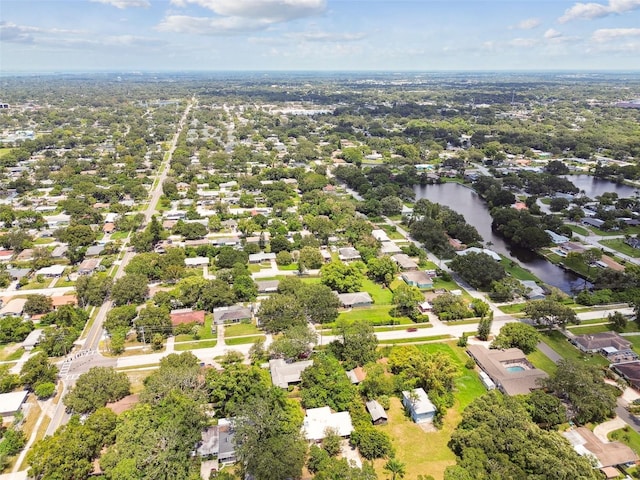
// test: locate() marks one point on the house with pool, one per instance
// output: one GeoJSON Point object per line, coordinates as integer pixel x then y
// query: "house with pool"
{"type": "Point", "coordinates": [509, 369]}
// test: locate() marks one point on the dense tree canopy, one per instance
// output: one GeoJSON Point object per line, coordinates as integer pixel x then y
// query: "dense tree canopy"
{"type": "Point", "coordinates": [96, 388]}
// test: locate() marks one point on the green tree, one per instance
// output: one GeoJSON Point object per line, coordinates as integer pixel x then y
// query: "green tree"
{"type": "Point", "coordinates": [310, 258]}
{"type": "Point", "coordinates": [618, 320]}
{"type": "Point", "coordinates": [37, 370]}
{"type": "Point", "coordinates": [93, 289]}
{"type": "Point", "coordinates": [382, 270]}
{"type": "Point", "coordinates": [326, 383]}
{"type": "Point", "coordinates": [280, 312]}
{"type": "Point", "coordinates": [320, 304]}
{"type": "Point", "coordinates": [478, 269]}
{"type": "Point", "coordinates": [371, 442]}
{"type": "Point", "coordinates": [120, 318]}
{"type": "Point", "coordinates": [406, 299]}
{"type": "Point", "coordinates": [235, 385]}
{"type": "Point", "coordinates": [484, 327]}
{"type": "Point", "coordinates": [96, 388]}
{"type": "Point", "coordinates": [549, 313]}
{"type": "Point", "coordinates": [294, 342]}
{"type": "Point", "coordinates": [341, 277]}
{"type": "Point", "coordinates": [267, 434]}
{"type": "Point", "coordinates": [583, 386]}
{"type": "Point", "coordinates": [396, 468]}
{"type": "Point", "coordinates": [130, 289]}
{"type": "Point", "coordinates": [359, 343]}
{"type": "Point", "coordinates": [38, 304]}
{"type": "Point", "coordinates": [517, 335]}
{"type": "Point", "coordinates": [153, 321]}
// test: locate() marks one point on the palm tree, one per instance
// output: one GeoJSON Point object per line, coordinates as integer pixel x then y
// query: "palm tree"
{"type": "Point", "coordinates": [396, 468]}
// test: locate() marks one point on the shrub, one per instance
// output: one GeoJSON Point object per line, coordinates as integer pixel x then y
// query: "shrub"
{"type": "Point", "coordinates": [44, 390]}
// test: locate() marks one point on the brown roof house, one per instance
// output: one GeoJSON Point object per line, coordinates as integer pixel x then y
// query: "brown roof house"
{"type": "Point", "coordinates": [187, 315]}
{"type": "Point", "coordinates": [509, 369]}
{"type": "Point", "coordinates": [597, 342]}
{"type": "Point", "coordinates": [608, 454]}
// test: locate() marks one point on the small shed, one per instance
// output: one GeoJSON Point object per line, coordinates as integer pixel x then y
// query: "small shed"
{"type": "Point", "coordinates": [32, 339]}
{"type": "Point", "coordinates": [378, 415]}
{"type": "Point", "coordinates": [418, 405]}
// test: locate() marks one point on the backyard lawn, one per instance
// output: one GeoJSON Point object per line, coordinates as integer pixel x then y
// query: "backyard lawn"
{"type": "Point", "coordinates": [558, 342]}
{"type": "Point", "coordinates": [427, 452]}
{"type": "Point", "coordinates": [541, 361]}
{"type": "Point", "coordinates": [516, 271]}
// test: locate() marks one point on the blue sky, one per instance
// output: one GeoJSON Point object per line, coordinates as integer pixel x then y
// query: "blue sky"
{"type": "Point", "coordinates": [131, 35]}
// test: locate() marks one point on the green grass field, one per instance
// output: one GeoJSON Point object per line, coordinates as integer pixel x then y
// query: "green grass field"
{"type": "Point", "coordinates": [513, 308]}
{"type": "Point", "coordinates": [618, 245]}
{"type": "Point", "coordinates": [428, 452]}
{"type": "Point", "coordinates": [240, 329]}
{"type": "Point", "coordinates": [243, 340]}
{"type": "Point", "coordinates": [628, 436]}
{"type": "Point", "coordinates": [561, 345]}
{"type": "Point", "coordinates": [541, 361]}
{"type": "Point", "coordinates": [579, 230]}
{"type": "Point", "coordinates": [4, 151]}
{"type": "Point", "coordinates": [181, 347]}
{"type": "Point", "coordinates": [432, 338]}
{"type": "Point", "coordinates": [205, 331]}
{"type": "Point", "coordinates": [517, 271]}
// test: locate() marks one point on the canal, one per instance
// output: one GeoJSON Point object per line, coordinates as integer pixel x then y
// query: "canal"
{"type": "Point", "coordinates": [468, 203]}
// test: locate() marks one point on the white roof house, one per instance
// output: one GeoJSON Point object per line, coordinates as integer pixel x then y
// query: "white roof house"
{"type": "Point", "coordinates": [419, 405]}
{"type": "Point", "coordinates": [318, 420]}
{"type": "Point", "coordinates": [51, 271]}
{"type": "Point", "coordinates": [486, 251]}
{"type": "Point", "coordinates": [14, 307]}
{"type": "Point", "coordinates": [380, 235]}
{"type": "Point", "coordinates": [32, 339]}
{"type": "Point", "coordinates": [196, 261]}
{"type": "Point", "coordinates": [10, 403]}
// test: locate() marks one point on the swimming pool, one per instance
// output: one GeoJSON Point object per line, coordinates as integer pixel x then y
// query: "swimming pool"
{"type": "Point", "coordinates": [515, 368]}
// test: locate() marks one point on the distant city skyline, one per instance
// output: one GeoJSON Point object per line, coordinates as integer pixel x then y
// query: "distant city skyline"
{"type": "Point", "coordinates": [331, 35]}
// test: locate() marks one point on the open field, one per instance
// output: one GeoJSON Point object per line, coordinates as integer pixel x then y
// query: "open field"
{"type": "Point", "coordinates": [618, 245]}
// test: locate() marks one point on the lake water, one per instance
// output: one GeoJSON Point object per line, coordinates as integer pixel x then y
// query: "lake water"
{"type": "Point", "coordinates": [593, 186]}
{"type": "Point", "coordinates": [468, 203]}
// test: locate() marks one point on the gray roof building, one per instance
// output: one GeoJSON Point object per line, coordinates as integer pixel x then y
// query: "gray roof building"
{"type": "Point", "coordinates": [283, 374]}
{"type": "Point", "coordinates": [232, 314]}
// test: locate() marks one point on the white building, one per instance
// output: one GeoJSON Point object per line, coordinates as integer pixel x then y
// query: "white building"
{"type": "Point", "coordinates": [318, 420]}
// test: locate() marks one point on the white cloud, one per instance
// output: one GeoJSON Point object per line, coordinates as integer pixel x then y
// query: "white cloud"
{"type": "Point", "coordinates": [605, 35]}
{"type": "Point", "coordinates": [589, 11]}
{"type": "Point", "coordinates": [552, 34]}
{"type": "Point", "coordinates": [211, 26]}
{"type": "Point", "coordinates": [522, 42]}
{"type": "Point", "coordinates": [528, 24]}
{"type": "Point", "coordinates": [238, 16]}
{"type": "Point", "coordinates": [328, 36]}
{"type": "Point", "coordinates": [125, 3]}
{"type": "Point", "coordinates": [273, 11]}
{"type": "Point", "coordinates": [12, 33]}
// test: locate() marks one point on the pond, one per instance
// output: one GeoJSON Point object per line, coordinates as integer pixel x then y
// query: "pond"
{"type": "Point", "coordinates": [468, 203]}
{"type": "Point", "coordinates": [594, 187]}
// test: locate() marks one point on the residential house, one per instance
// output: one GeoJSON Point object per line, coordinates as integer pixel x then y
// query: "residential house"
{"type": "Point", "coordinates": [196, 261]}
{"type": "Point", "coordinates": [18, 273]}
{"type": "Point", "coordinates": [25, 256]}
{"type": "Point", "coordinates": [13, 308]}
{"type": "Point", "coordinates": [389, 248]}
{"type": "Point", "coordinates": [597, 342]}
{"type": "Point", "coordinates": [509, 369]}
{"type": "Point", "coordinates": [284, 374]}
{"type": "Point", "coordinates": [348, 254]}
{"type": "Point", "coordinates": [32, 339]}
{"type": "Point", "coordinates": [606, 454]}
{"type": "Point", "coordinates": [378, 415]}
{"type": "Point", "coordinates": [380, 235]}
{"type": "Point", "coordinates": [217, 441]}
{"type": "Point", "coordinates": [424, 307]}
{"type": "Point", "coordinates": [569, 247]}
{"type": "Point", "coordinates": [534, 291]}
{"type": "Point", "coordinates": [593, 222]}
{"type": "Point", "coordinates": [317, 421]}
{"type": "Point", "coordinates": [268, 286]}
{"type": "Point", "coordinates": [486, 251]}
{"type": "Point", "coordinates": [88, 266]}
{"type": "Point", "coordinates": [232, 314]}
{"type": "Point", "coordinates": [357, 375]}
{"type": "Point", "coordinates": [51, 271]}
{"type": "Point", "coordinates": [359, 299]}
{"type": "Point", "coordinates": [94, 250]}
{"type": "Point", "coordinates": [556, 238]}
{"type": "Point", "coordinates": [418, 405]}
{"type": "Point", "coordinates": [261, 257]}
{"type": "Point", "coordinates": [59, 251]}
{"type": "Point", "coordinates": [5, 255]}
{"type": "Point", "coordinates": [417, 279]}
{"type": "Point", "coordinates": [186, 316]}
{"type": "Point", "coordinates": [404, 262]}
{"type": "Point", "coordinates": [61, 300]}
{"type": "Point", "coordinates": [11, 403]}
{"type": "Point", "coordinates": [109, 228]}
